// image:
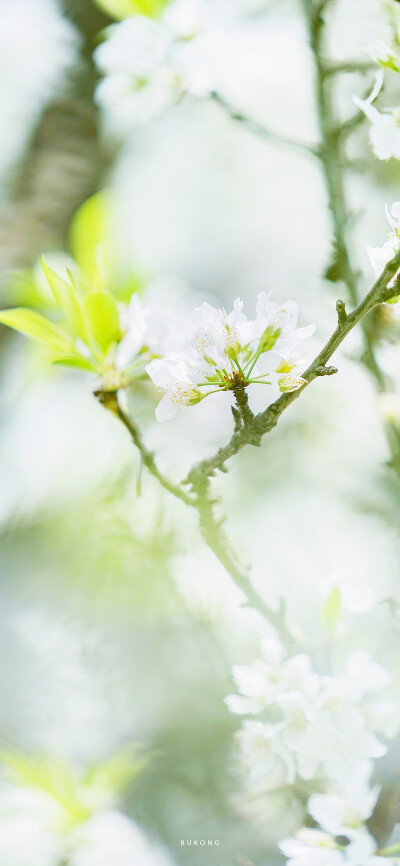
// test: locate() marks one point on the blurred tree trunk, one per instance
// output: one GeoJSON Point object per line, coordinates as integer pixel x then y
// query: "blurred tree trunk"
{"type": "Point", "coordinates": [65, 161]}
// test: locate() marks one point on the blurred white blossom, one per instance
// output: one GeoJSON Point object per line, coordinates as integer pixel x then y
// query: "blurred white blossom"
{"type": "Point", "coordinates": [112, 839]}
{"type": "Point", "coordinates": [338, 815]}
{"type": "Point", "coordinates": [148, 65]}
{"type": "Point", "coordinates": [315, 848]}
{"type": "Point", "coordinates": [384, 131]}
{"type": "Point", "coordinates": [48, 817]}
{"type": "Point", "coordinates": [30, 825]}
{"type": "Point", "coordinates": [312, 725]}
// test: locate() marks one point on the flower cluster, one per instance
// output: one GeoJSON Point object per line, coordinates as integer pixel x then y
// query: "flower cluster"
{"type": "Point", "coordinates": [340, 815]}
{"type": "Point", "coordinates": [186, 356]}
{"type": "Point", "coordinates": [150, 64]}
{"type": "Point", "coordinates": [312, 725]}
{"type": "Point", "coordinates": [228, 352]}
{"type": "Point", "coordinates": [312, 732]}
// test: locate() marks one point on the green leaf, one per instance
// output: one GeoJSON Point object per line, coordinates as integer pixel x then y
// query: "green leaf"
{"type": "Point", "coordinates": [331, 610]}
{"type": "Point", "coordinates": [54, 777]}
{"type": "Point", "coordinates": [68, 299]}
{"type": "Point", "coordinates": [90, 242]}
{"type": "Point", "coordinates": [123, 8]}
{"type": "Point", "coordinates": [102, 316]}
{"type": "Point", "coordinates": [36, 326]}
{"type": "Point", "coordinates": [94, 246]}
{"type": "Point", "coordinates": [116, 773]}
{"type": "Point", "coordinates": [76, 361]}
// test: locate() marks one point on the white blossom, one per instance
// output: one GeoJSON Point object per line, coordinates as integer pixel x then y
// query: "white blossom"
{"type": "Point", "coordinates": [178, 378]}
{"type": "Point", "coordinates": [30, 823]}
{"type": "Point", "coordinates": [384, 131]}
{"type": "Point", "coordinates": [264, 679]}
{"type": "Point", "coordinates": [342, 815]}
{"type": "Point", "coordinates": [39, 828]}
{"type": "Point", "coordinates": [148, 65]}
{"type": "Point", "coordinates": [380, 256]}
{"type": "Point", "coordinates": [149, 326]}
{"type": "Point", "coordinates": [310, 725]}
{"type": "Point", "coordinates": [316, 849]}
{"type": "Point", "coordinates": [227, 350]}
{"type": "Point", "coordinates": [112, 839]}
{"type": "Point", "coordinates": [312, 848]}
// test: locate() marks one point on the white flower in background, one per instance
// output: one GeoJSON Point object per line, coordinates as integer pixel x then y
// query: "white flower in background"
{"type": "Point", "coordinates": [362, 852]}
{"type": "Point", "coordinates": [380, 256]}
{"type": "Point", "coordinates": [343, 814]}
{"type": "Point", "coordinates": [30, 823]}
{"type": "Point", "coordinates": [112, 839]}
{"type": "Point", "coordinates": [338, 815]}
{"type": "Point", "coordinates": [311, 725]}
{"type": "Point", "coordinates": [254, 745]}
{"type": "Point", "coordinates": [382, 718]}
{"type": "Point", "coordinates": [384, 131]}
{"type": "Point", "coordinates": [148, 65]}
{"type": "Point", "coordinates": [186, 19]}
{"type": "Point", "coordinates": [314, 848]}
{"type": "Point", "coordinates": [226, 351]}
{"type": "Point", "coordinates": [311, 848]}
{"type": "Point", "coordinates": [139, 80]}
{"type": "Point", "coordinates": [362, 675]}
{"type": "Point", "coordinates": [264, 679]}
{"type": "Point", "coordinates": [49, 816]}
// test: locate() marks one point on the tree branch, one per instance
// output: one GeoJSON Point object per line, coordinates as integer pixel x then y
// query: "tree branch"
{"type": "Point", "coordinates": [109, 399]}
{"type": "Point", "coordinates": [332, 134]}
{"type": "Point", "coordinates": [263, 131]}
{"type": "Point", "coordinates": [211, 527]}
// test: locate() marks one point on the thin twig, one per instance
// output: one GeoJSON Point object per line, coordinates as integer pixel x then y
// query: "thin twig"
{"type": "Point", "coordinates": [348, 67]}
{"type": "Point", "coordinates": [210, 525]}
{"type": "Point", "coordinates": [217, 540]}
{"type": "Point", "coordinates": [109, 399]}
{"type": "Point", "coordinates": [262, 131]}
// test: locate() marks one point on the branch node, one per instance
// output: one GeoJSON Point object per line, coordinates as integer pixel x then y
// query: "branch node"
{"type": "Point", "coordinates": [325, 371]}
{"type": "Point", "coordinates": [237, 419]}
{"type": "Point", "coordinates": [341, 312]}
